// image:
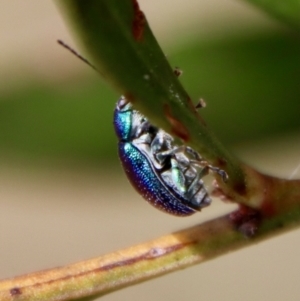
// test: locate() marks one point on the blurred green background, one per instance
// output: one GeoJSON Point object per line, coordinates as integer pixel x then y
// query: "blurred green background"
{"type": "Point", "coordinates": [63, 196]}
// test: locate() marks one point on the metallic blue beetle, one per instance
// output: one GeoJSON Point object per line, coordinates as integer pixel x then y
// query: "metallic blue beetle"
{"type": "Point", "coordinates": [167, 176]}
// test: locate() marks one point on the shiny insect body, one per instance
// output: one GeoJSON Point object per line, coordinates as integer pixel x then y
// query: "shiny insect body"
{"type": "Point", "coordinates": [167, 176]}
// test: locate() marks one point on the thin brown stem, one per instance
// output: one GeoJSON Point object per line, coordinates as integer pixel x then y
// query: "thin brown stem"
{"type": "Point", "coordinates": [114, 271]}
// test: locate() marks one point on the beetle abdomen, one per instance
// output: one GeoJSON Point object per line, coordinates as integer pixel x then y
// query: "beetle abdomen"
{"type": "Point", "coordinates": [144, 179]}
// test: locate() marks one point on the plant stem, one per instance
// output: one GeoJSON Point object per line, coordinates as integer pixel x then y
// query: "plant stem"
{"type": "Point", "coordinates": [102, 275]}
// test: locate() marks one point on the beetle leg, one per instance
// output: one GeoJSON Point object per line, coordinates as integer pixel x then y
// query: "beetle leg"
{"type": "Point", "coordinates": [143, 139]}
{"type": "Point", "coordinates": [200, 161]}
{"type": "Point", "coordinates": [197, 159]}
{"type": "Point", "coordinates": [161, 146]}
{"type": "Point", "coordinates": [222, 173]}
{"type": "Point", "coordinates": [200, 174]}
{"type": "Point", "coordinates": [214, 169]}
{"type": "Point", "coordinates": [193, 153]}
{"type": "Point", "coordinates": [196, 195]}
{"type": "Point", "coordinates": [178, 176]}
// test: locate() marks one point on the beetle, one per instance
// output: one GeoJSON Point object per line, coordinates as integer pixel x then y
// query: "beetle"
{"type": "Point", "coordinates": [169, 177]}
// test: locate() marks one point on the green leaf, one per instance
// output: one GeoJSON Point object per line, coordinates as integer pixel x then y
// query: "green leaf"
{"type": "Point", "coordinates": [125, 52]}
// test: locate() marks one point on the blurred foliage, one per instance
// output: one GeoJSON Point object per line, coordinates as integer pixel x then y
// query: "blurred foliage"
{"type": "Point", "coordinates": [73, 122]}
{"type": "Point", "coordinates": [250, 83]}
{"type": "Point", "coordinates": [287, 11]}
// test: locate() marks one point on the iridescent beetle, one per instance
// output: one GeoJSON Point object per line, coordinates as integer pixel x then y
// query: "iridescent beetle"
{"type": "Point", "coordinates": [167, 176]}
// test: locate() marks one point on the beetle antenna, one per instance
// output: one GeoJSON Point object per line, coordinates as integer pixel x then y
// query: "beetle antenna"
{"type": "Point", "coordinates": [66, 46]}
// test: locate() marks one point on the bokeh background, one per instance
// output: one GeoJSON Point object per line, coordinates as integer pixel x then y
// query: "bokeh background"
{"type": "Point", "coordinates": [63, 195]}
